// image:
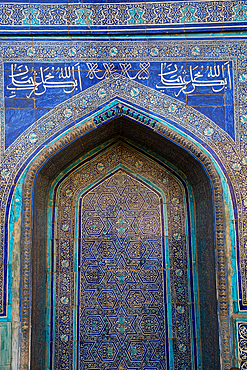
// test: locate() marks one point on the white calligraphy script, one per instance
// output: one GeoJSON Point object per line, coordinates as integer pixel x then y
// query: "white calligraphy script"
{"type": "Point", "coordinates": [186, 80]}
{"type": "Point", "coordinates": [95, 72]}
{"type": "Point", "coordinates": [69, 78]}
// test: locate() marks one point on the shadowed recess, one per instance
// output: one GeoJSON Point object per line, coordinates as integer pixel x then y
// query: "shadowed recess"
{"type": "Point", "coordinates": [148, 140]}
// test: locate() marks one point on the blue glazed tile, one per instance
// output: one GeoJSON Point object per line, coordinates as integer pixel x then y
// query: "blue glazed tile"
{"type": "Point", "coordinates": [17, 120]}
{"type": "Point", "coordinates": [115, 18]}
{"type": "Point", "coordinates": [22, 111]}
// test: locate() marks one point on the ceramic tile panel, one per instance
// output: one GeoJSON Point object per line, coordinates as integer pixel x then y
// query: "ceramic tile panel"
{"type": "Point", "coordinates": [114, 17]}
{"type": "Point", "coordinates": [127, 266]}
{"type": "Point", "coordinates": [153, 76]}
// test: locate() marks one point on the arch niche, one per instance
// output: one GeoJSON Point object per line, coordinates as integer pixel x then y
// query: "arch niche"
{"type": "Point", "coordinates": [203, 192]}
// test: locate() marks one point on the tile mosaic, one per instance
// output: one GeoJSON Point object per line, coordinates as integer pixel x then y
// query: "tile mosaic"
{"type": "Point", "coordinates": [184, 81]}
{"type": "Point", "coordinates": [118, 17]}
{"type": "Point", "coordinates": [191, 90]}
{"type": "Point", "coordinates": [90, 252]}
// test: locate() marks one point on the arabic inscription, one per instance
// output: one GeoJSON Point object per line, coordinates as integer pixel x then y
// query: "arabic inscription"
{"type": "Point", "coordinates": [180, 78]}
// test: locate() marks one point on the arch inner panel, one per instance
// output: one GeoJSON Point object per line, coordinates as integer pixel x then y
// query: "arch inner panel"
{"type": "Point", "coordinates": [122, 284]}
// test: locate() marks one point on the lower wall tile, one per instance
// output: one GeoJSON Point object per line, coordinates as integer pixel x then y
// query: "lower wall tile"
{"type": "Point", "coordinates": [5, 345]}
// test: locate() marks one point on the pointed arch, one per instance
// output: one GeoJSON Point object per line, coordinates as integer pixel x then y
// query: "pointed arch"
{"type": "Point", "coordinates": [155, 136]}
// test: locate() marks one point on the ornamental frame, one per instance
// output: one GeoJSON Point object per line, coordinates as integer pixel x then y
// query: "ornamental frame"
{"type": "Point", "coordinates": [172, 15]}
{"type": "Point", "coordinates": [103, 174]}
{"type": "Point", "coordinates": [78, 132]}
{"type": "Point", "coordinates": [230, 153]}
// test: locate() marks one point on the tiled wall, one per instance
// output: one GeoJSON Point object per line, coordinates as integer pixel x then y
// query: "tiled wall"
{"type": "Point", "coordinates": [191, 89]}
{"type": "Point", "coordinates": [5, 345]}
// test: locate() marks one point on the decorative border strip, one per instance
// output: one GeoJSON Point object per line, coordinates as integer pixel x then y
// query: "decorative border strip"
{"type": "Point", "coordinates": [230, 155]}
{"type": "Point", "coordinates": [57, 146]}
{"type": "Point", "coordinates": [240, 333]}
{"type": "Point", "coordinates": [68, 113]}
{"type": "Point", "coordinates": [147, 51]}
{"type": "Point", "coordinates": [95, 17]}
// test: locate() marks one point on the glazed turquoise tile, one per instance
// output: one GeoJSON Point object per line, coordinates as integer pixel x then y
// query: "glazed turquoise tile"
{"type": "Point", "coordinates": [181, 77]}
{"type": "Point", "coordinates": [5, 338]}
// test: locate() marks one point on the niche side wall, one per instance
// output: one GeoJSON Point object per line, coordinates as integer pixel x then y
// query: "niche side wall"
{"type": "Point", "coordinates": [199, 181]}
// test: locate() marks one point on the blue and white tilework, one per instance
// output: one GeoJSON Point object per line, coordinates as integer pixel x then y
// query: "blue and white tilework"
{"type": "Point", "coordinates": [133, 291]}
{"type": "Point", "coordinates": [240, 326]}
{"type": "Point", "coordinates": [121, 17]}
{"type": "Point", "coordinates": [190, 89]}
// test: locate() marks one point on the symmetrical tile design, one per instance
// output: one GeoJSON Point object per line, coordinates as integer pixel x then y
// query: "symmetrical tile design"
{"type": "Point", "coordinates": [203, 86]}
{"type": "Point", "coordinates": [134, 299]}
{"type": "Point", "coordinates": [240, 326]}
{"type": "Point", "coordinates": [119, 86]}
{"type": "Point", "coordinates": [120, 77]}
{"type": "Point", "coordinates": [217, 189]}
{"type": "Point", "coordinates": [119, 17]}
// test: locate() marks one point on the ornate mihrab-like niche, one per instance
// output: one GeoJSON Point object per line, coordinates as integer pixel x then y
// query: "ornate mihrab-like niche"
{"type": "Point", "coordinates": [124, 279]}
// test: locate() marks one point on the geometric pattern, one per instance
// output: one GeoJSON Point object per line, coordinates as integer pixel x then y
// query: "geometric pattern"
{"type": "Point", "coordinates": [231, 155]}
{"type": "Point", "coordinates": [119, 328]}
{"type": "Point", "coordinates": [241, 340]}
{"type": "Point", "coordinates": [118, 287]}
{"type": "Point", "coordinates": [175, 138]}
{"type": "Point", "coordinates": [112, 17]}
{"type": "Point", "coordinates": [119, 215]}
